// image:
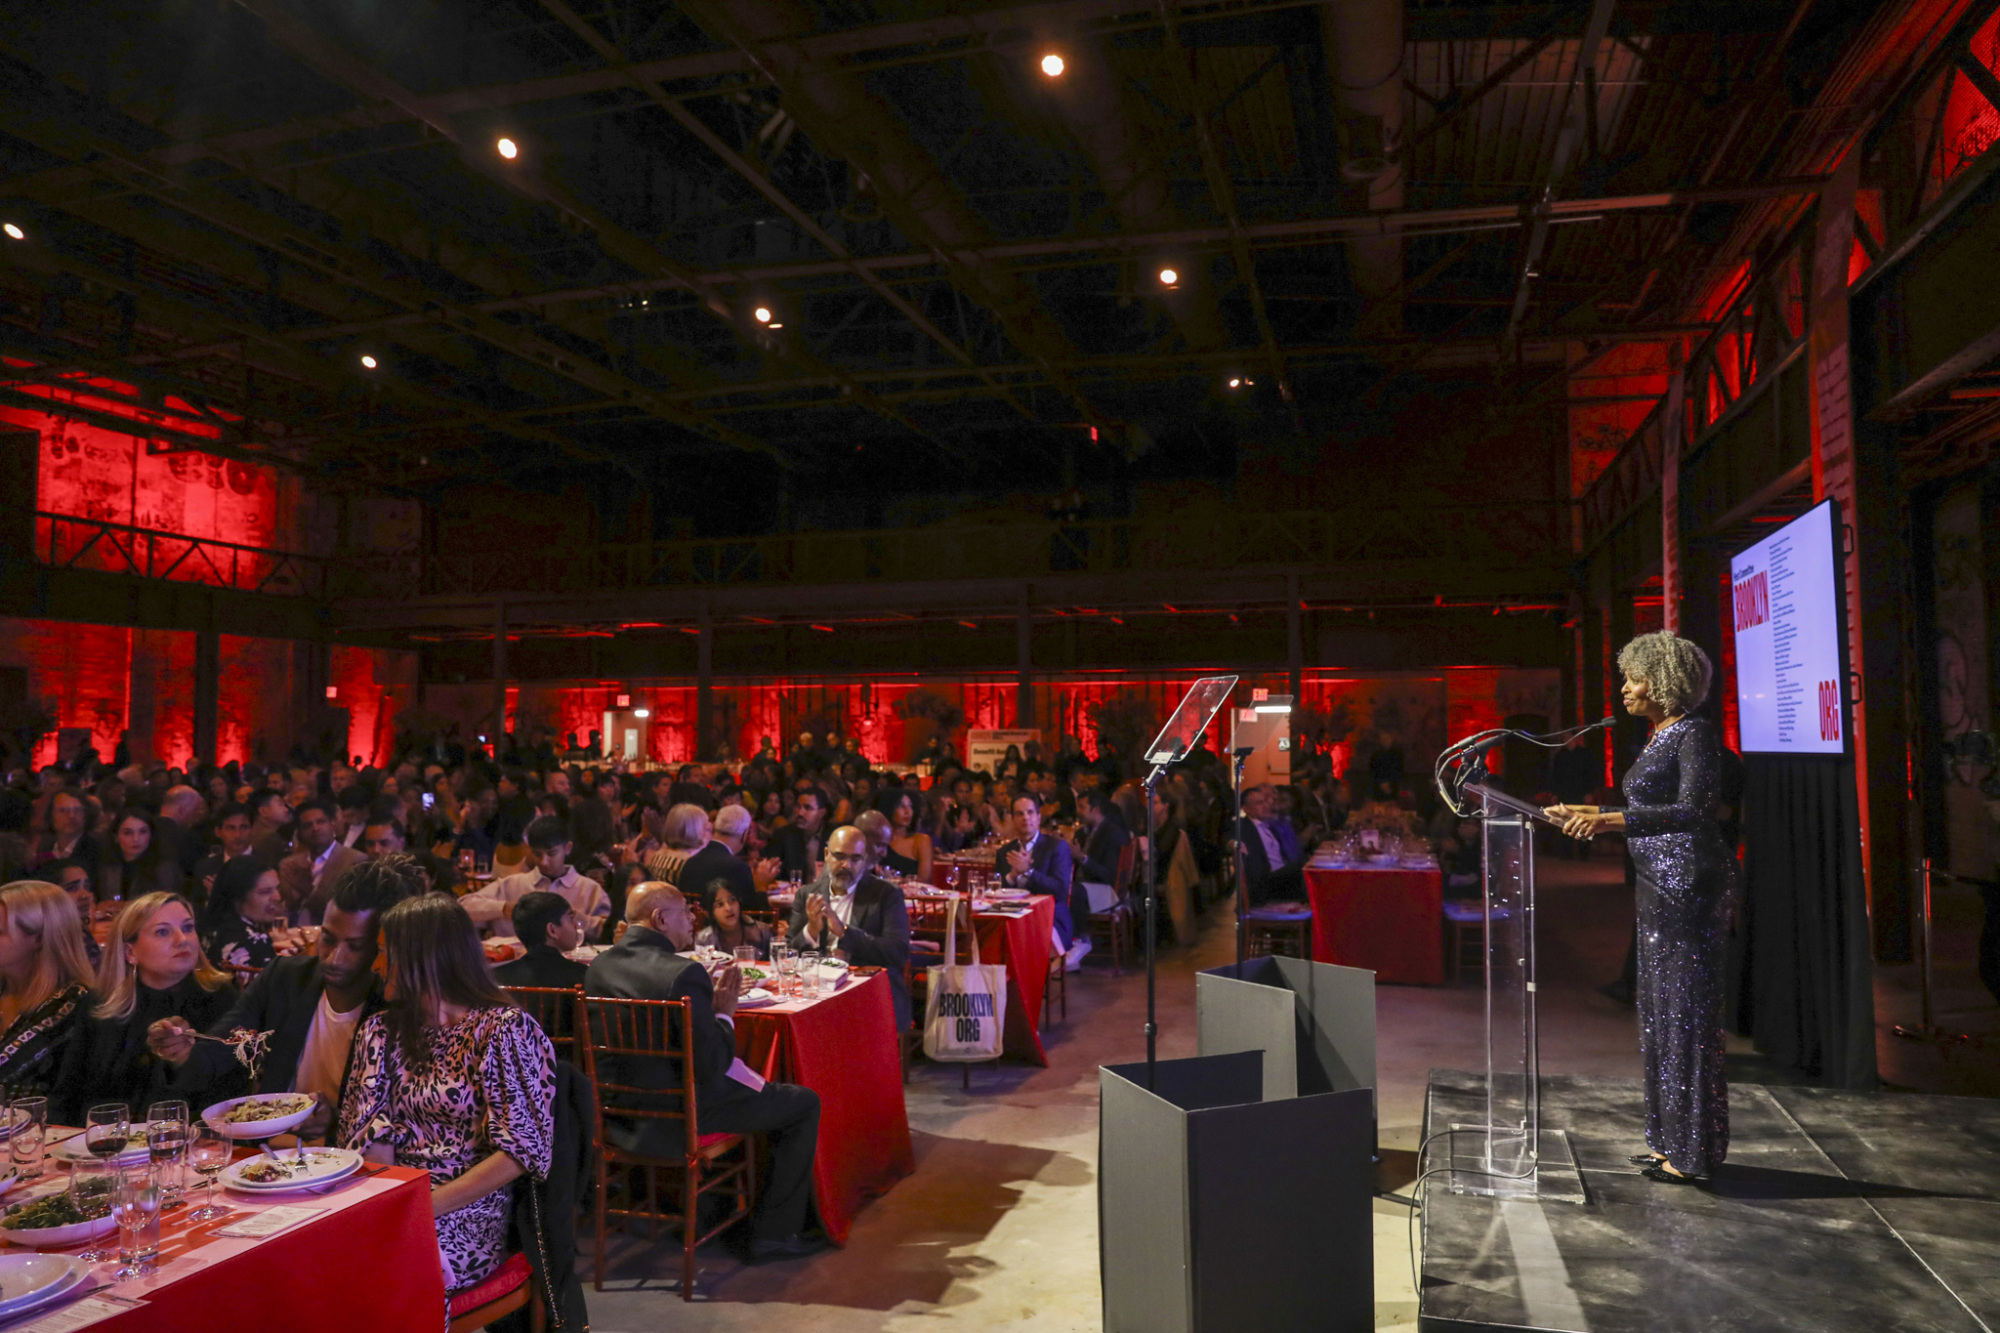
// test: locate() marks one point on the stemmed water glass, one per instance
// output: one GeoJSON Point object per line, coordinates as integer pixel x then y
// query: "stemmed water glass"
{"type": "Point", "coordinates": [784, 962]}
{"type": "Point", "coordinates": [166, 1143]}
{"type": "Point", "coordinates": [136, 1202]}
{"type": "Point", "coordinates": [209, 1153]}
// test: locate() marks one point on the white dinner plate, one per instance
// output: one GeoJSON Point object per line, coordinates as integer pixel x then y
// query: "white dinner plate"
{"type": "Point", "coordinates": [72, 1149]}
{"type": "Point", "coordinates": [253, 1129]}
{"type": "Point", "coordinates": [55, 1238]}
{"type": "Point", "coordinates": [322, 1166]}
{"type": "Point", "coordinates": [755, 998]}
{"type": "Point", "coordinates": [26, 1280]}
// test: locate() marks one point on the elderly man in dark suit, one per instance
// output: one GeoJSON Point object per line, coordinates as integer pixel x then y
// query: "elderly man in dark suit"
{"type": "Point", "coordinates": [1273, 865]}
{"type": "Point", "coordinates": [729, 1097]}
{"type": "Point", "coordinates": [864, 917]}
{"type": "Point", "coordinates": [1040, 863]}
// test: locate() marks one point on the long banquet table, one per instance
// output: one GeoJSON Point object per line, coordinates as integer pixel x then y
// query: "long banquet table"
{"type": "Point", "coordinates": [1388, 919]}
{"type": "Point", "coordinates": [377, 1231]}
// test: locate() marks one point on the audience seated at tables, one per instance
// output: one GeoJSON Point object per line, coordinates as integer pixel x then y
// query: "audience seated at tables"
{"type": "Point", "coordinates": [549, 839]}
{"type": "Point", "coordinates": [153, 968]}
{"type": "Point", "coordinates": [45, 983]}
{"type": "Point", "coordinates": [385, 835]}
{"type": "Point", "coordinates": [232, 833]}
{"type": "Point", "coordinates": [181, 813]}
{"type": "Point", "coordinates": [861, 915]}
{"type": "Point", "coordinates": [909, 846]}
{"type": "Point", "coordinates": [645, 965]}
{"type": "Point", "coordinates": [722, 859]}
{"type": "Point", "coordinates": [728, 929]}
{"type": "Point", "coordinates": [68, 837]}
{"type": "Point", "coordinates": [311, 1005]}
{"type": "Point", "coordinates": [548, 927]}
{"type": "Point", "coordinates": [1040, 863]}
{"type": "Point", "coordinates": [307, 877]}
{"type": "Point", "coordinates": [74, 880]}
{"type": "Point", "coordinates": [452, 1077]}
{"type": "Point", "coordinates": [242, 911]}
{"type": "Point", "coordinates": [270, 816]}
{"type": "Point", "coordinates": [1273, 863]}
{"type": "Point", "coordinates": [800, 843]}
{"type": "Point", "coordinates": [684, 831]}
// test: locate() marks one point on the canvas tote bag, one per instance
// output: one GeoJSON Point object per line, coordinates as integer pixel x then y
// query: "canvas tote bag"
{"type": "Point", "coordinates": [966, 1011]}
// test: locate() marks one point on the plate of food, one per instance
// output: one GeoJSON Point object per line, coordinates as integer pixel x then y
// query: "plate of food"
{"type": "Point", "coordinates": [501, 949]}
{"type": "Point", "coordinates": [754, 976]}
{"type": "Point", "coordinates": [28, 1281]}
{"type": "Point", "coordinates": [1006, 894]}
{"type": "Point", "coordinates": [73, 1149]}
{"type": "Point", "coordinates": [269, 1174]}
{"type": "Point", "coordinates": [54, 1221]}
{"type": "Point", "coordinates": [261, 1116]}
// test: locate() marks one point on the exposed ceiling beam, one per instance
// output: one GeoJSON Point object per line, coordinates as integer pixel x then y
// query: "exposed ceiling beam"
{"type": "Point", "coordinates": [1101, 248]}
{"type": "Point", "coordinates": [847, 119]}
{"type": "Point", "coordinates": [1583, 76]}
{"type": "Point", "coordinates": [1223, 193]}
{"type": "Point", "coordinates": [768, 188]}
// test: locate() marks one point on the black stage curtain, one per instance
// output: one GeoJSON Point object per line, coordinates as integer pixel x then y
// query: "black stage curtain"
{"type": "Point", "coordinates": [1805, 992]}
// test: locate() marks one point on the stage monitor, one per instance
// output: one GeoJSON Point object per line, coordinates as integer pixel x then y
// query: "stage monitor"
{"type": "Point", "coordinates": [1785, 603]}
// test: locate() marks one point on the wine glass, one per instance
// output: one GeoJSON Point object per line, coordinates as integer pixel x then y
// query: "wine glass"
{"type": "Point", "coordinates": [136, 1202]}
{"type": "Point", "coordinates": [107, 1128]}
{"type": "Point", "coordinates": [166, 1144]}
{"type": "Point", "coordinates": [209, 1153]}
{"type": "Point", "coordinates": [783, 962]}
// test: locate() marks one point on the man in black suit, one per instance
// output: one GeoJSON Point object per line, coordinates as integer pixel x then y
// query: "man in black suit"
{"type": "Point", "coordinates": [798, 845]}
{"type": "Point", "coordinates": [864, 917]}
{"type": "Point", "coordinates": [1039, 863]}
{"type": "Point", "coordinates": [311, 1005]}
{"type": "Point", "coordinates": [1273, 865]}
{"type": "Point", "coordinates": [645, 965]}
{"type": "Point", "coordinates": [720, 859]}
{"type": "Point", "coordinates": [550, 928]}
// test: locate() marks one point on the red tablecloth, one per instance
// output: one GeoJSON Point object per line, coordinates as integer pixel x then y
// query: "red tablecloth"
{"type": "Point", "coordinates": [842, 1046]}
{"type": "Point", "coordinates": [1390, 920]}
{"type": "Point", "coordinates": [1023, 943]}
{"type": "Point", "coordinates": [382, 1251]}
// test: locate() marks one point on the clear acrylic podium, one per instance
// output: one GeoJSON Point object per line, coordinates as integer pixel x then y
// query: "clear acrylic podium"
{"type": "Point", "coordinates": [1510, 1156]}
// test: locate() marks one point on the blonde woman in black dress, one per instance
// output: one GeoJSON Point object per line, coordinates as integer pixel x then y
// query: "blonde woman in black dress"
{"type": "Point", "coordinates": [1686, 869]}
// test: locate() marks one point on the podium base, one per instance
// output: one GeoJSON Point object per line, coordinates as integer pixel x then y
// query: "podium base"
{"type": "Point", "coordinates": [1553, 1179]}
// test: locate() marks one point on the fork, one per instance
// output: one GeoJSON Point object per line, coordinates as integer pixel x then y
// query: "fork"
{"type": "Point", "coordinates": [362, 1174]}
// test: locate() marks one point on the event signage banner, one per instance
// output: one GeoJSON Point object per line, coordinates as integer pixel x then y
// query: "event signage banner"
{"type": "Point", "coordinates": [986, 747]}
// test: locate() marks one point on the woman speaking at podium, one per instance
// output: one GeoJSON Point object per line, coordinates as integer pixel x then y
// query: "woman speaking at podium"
{"type": "Point", "coordinates": [1685, 872]}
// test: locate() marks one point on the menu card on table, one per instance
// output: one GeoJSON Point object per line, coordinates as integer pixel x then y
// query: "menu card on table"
{"type": "Point", "coordinates": [270, 1222]}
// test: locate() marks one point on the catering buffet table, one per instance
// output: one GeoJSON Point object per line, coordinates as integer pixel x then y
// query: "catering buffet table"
{"type": "Point", "coordinates": [1388, 918]}
{"type": "Point", "coordinates": [375, 1231]}
{"type": "Point", "coordinates": [842, 1046]}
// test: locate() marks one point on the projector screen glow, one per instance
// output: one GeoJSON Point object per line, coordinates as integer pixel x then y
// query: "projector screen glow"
{"type": "Point", "coordinates": [1785, 606]}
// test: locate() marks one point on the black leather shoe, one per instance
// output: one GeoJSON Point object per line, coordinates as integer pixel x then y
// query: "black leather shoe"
{"type": "Point", "coordinates": [1646, 1159]}
{"type": "Point", "coordinates": [1658, 1172]}
{"type": "Point", "coordinates": [778, 1251]}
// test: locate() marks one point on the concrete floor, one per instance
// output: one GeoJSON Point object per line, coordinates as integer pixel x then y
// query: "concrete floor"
{"type": "Point", "coordinates": [998, 1227]}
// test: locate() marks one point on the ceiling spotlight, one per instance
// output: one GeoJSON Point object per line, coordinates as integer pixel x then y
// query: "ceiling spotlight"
{"type": "Point", "coordinates": [1052, 65]}
{"type": "Point", "coordinates": [762, 314]}
{"type": "Point", "coordinates": [646, 712]}
{"type": "Point", "coordinates": [507, 148]}
{"type": "Point", "coordinates": [1168, 277]}
{"type": "Point", "coordinates": [1235, 381]}
{"type": "Point", "coordinates": [367, 362]}
{"type": "Point", "coordinates": [777, 326]}
{"type": "Point", "coordinates": [14, 231]}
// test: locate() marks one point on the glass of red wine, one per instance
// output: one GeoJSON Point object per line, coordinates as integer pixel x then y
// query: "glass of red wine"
{"type": "Point", "coordinates": [107, 1129]}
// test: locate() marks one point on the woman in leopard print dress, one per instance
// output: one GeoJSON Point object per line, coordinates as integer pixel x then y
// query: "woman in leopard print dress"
{"type": "Point", "coordinates": [453, 1078]}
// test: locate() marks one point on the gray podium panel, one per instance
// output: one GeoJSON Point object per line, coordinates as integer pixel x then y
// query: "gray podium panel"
{"type": "Point", "coordinates": [1220, 1211]}
{"type": "Point", "coordinates": [1315, 1022]}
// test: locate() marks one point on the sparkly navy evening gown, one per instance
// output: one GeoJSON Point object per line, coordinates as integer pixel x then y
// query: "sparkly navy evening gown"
{"type": "Point", "coordinates": [1685, 874]}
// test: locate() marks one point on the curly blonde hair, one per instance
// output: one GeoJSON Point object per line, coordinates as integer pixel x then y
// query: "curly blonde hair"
{"type": "Point", "coordinates": [1677, 672]}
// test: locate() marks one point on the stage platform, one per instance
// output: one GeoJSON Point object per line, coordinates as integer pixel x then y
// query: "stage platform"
{"type": "Point", "coordinates": [1836, 1211]}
